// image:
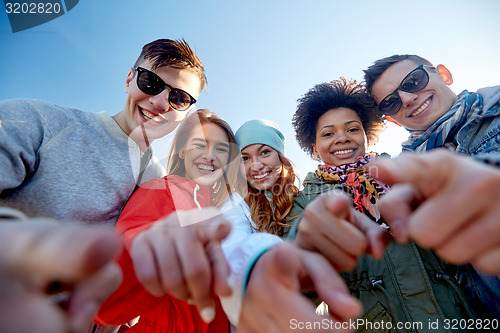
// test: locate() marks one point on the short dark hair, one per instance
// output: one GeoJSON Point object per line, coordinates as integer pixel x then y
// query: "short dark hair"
{"type": "Point", "coordinates": [173, 53]}
{"type": "Point", "coordinates": [335, 94]}
{"type": "Point", "coordinates": [373, 72]}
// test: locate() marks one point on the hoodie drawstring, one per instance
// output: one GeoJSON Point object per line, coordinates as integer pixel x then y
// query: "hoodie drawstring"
{"type": "Point", "coordinates": [196, 188]}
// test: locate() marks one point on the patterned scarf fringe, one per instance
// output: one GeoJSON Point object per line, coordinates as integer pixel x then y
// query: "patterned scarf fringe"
{"type": "Point", "coordinates": [365, 189]}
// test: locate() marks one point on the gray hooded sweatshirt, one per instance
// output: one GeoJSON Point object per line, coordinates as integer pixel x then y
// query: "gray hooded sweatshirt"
{"type": "Point", "coordinates": [67, 164]}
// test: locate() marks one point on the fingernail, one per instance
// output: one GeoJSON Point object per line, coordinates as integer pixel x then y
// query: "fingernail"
{"type": "Point", "coordinates": [190, 301]}
{"type": "Point", "coordinates": [208, 314]}
{"type": "Point", "coordinates": [344, 299]}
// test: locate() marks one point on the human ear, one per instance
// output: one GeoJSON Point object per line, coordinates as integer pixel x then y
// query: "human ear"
{"type": "Point", "coordinates": [130, 76]}
{"type": "Point", "coordinates": [315, 152]}
{"type": "Point", "coordinates": [445, 74]}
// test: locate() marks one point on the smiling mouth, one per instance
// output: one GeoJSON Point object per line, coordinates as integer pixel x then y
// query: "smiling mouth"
{"type": "Point", "coordinates": [208, 168]}
{"type": "Point", "coordinates": [262, 175]}
{"type": "Point", "coordinates": [158, 119]}
{"type": "Point", "coordinates": [421, 109]}
{"type": "Point", "coordinates": [343, 152]}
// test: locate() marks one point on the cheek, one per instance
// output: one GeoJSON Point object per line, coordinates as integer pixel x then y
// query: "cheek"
{"type": "Point", "coordinates": [278, 173]}
{"type": "Point", "coordinates": [323, 147]}
{"type": "Point", "coordinates": [224, 160]}
{"type": "Point", "coordinates": [177, 116]}
{"type": "Point", "coordinates": [245, 171]}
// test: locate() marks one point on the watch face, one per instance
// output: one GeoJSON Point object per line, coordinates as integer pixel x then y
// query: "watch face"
{"type": "Point", "coordinates": [24, 15]}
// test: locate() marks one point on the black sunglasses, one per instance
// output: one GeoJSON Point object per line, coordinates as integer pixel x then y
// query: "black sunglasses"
{"type": "Point", "coordinates": [415, 81]}
{"type": "Point", "coordinates": [151, 84]}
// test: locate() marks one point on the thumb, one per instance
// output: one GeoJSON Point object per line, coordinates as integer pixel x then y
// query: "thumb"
{"type": "Point", "coordinates": [284, 264]}
{"type": "Point", "coordinates": [222, 230]}
{"type": "Point", "coordinates": [339, 204]}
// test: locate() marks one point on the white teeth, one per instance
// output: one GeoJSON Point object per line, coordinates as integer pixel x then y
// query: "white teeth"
{"type": "Point", "coordinates": [261, 176]}
{"type": "Point", "coordinates": [342, 152]}
{"type": "Point", "coordinates": [206, 167]}
{"type": "Point", "coordinates": [151, 117]}
{"type": "Point", "coordinates": [420, 109]}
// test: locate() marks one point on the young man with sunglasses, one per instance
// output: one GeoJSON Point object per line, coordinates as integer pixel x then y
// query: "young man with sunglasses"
{"type": "Point", "coordinates": [81, 167]}
{"type": "Point", "coordinates": [74, 165]}
{"type": "Point", "coordinates": [410, 91]}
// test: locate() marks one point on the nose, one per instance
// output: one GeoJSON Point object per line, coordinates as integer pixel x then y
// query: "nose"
{"type": "Point", "coordinates": [256, 165]}
{"type": "Point", "coordinates": [209, 153]}
{"type": "Point", "coordinates": [342, 137]}
{"type": "Point", "coordinates": [160, 101]}
{"type": "Point", "coordinates": [407, 98]}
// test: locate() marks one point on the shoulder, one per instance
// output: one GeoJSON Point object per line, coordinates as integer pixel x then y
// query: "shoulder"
{"type": "Point", "coordinates": [490, 95]}
{"type": "Point", "coordinates": [153, 185]}
{"type": "Point", "coordinates": [43, 114]}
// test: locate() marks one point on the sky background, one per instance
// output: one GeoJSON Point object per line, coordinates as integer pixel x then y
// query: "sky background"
{"type": "Point", "coordinates": [259, 56]}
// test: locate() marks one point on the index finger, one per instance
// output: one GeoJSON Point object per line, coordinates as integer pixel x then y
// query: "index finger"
{"type": "Point", "coordinates": [428, 172]}
{"type": "Point", "coordinates": [48, 251]}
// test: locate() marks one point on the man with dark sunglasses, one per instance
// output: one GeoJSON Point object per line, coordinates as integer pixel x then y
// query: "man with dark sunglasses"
{"type": "Point", "coordinates": [74, 165]}
{"type": "Point", "coordinates": [81, 167]}
{"type": "Point", "coordinates": [410, 91]}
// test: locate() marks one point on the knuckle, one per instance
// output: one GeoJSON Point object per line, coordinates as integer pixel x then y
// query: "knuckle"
{"type": "Point", "coordinates": [197, 272]}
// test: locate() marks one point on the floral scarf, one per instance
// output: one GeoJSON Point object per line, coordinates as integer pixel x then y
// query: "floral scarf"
{"type": "Point", "coordinates": [443, 132]}
{"type": "Point", "coordinates": [365, 189]}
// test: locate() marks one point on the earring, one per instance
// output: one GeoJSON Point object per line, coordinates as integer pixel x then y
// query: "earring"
{"type": "Point", "coordinates": [181, 156]}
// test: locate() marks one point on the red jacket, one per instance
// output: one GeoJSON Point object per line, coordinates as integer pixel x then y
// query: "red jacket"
{"type": "Point", "coordinates": [151, 202]}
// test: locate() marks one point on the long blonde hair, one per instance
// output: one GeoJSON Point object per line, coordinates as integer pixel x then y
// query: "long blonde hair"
{"type": "Point", "coordinates": [176, 166]}
{"type": "Point", "coordinates": [273, 217]}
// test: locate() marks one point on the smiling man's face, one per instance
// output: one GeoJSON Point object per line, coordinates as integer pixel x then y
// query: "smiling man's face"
{"type": "Point", "coordinates": [421, 109]}
{"type": "Point", "coordinates": [153, 112]}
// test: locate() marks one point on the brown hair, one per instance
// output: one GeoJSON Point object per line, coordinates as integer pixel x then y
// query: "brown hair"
{"type": "Point", "coordinates": [373, 72]}
{"type": "Point", "coordinates": [273, 219]}
{"type": "Point", "coordinates": [173, 53]}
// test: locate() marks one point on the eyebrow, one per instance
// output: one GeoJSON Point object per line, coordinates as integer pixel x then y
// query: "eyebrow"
{"type": "Point", "coordinates": [346, 123]}
{"type": "Point", "coordinates": [218, 142]}
{"type": "Point", "coordinates": [258, 149]}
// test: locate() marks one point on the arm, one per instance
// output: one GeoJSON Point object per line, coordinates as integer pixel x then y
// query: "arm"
{"type": "Point", "coordinates": [21, 135]}
{"type": "Point", "coordinates": [242, 248]}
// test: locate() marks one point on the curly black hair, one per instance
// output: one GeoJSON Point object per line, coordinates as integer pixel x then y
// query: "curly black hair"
{"type": "Point", "coordinates": [332, 95]}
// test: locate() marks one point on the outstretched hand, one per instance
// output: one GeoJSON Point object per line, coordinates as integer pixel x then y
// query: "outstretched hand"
{"type": "Point", "coordinates": [444, 201]}
{"type": "Point", "coordinates": [333, 228]}
{"type": "Point", "coordinates": [38, 254]}
{"type": "Point", "coordinates": [185, 259]}
{"type": "Point", "coordinates": [274, 301]}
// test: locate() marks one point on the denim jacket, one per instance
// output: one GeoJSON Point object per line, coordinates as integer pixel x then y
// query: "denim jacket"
{"type": "Point", "coordinates": [480, 136]}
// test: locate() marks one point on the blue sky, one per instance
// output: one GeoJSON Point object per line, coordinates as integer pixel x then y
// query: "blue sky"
{"type": "Point", "coordinates": [260, 56]}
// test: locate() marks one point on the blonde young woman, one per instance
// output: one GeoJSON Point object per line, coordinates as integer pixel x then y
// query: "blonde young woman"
{"type": "Point", "coordinates": [200, 174]}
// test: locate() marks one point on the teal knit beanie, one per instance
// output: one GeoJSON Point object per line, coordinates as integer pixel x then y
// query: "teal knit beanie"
{"type": "Point", "coordinates": [261, 131]}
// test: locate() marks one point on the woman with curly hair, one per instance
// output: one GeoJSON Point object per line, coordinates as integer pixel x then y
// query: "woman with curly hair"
{"type": "Point", "coordinates": [335, 122]}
